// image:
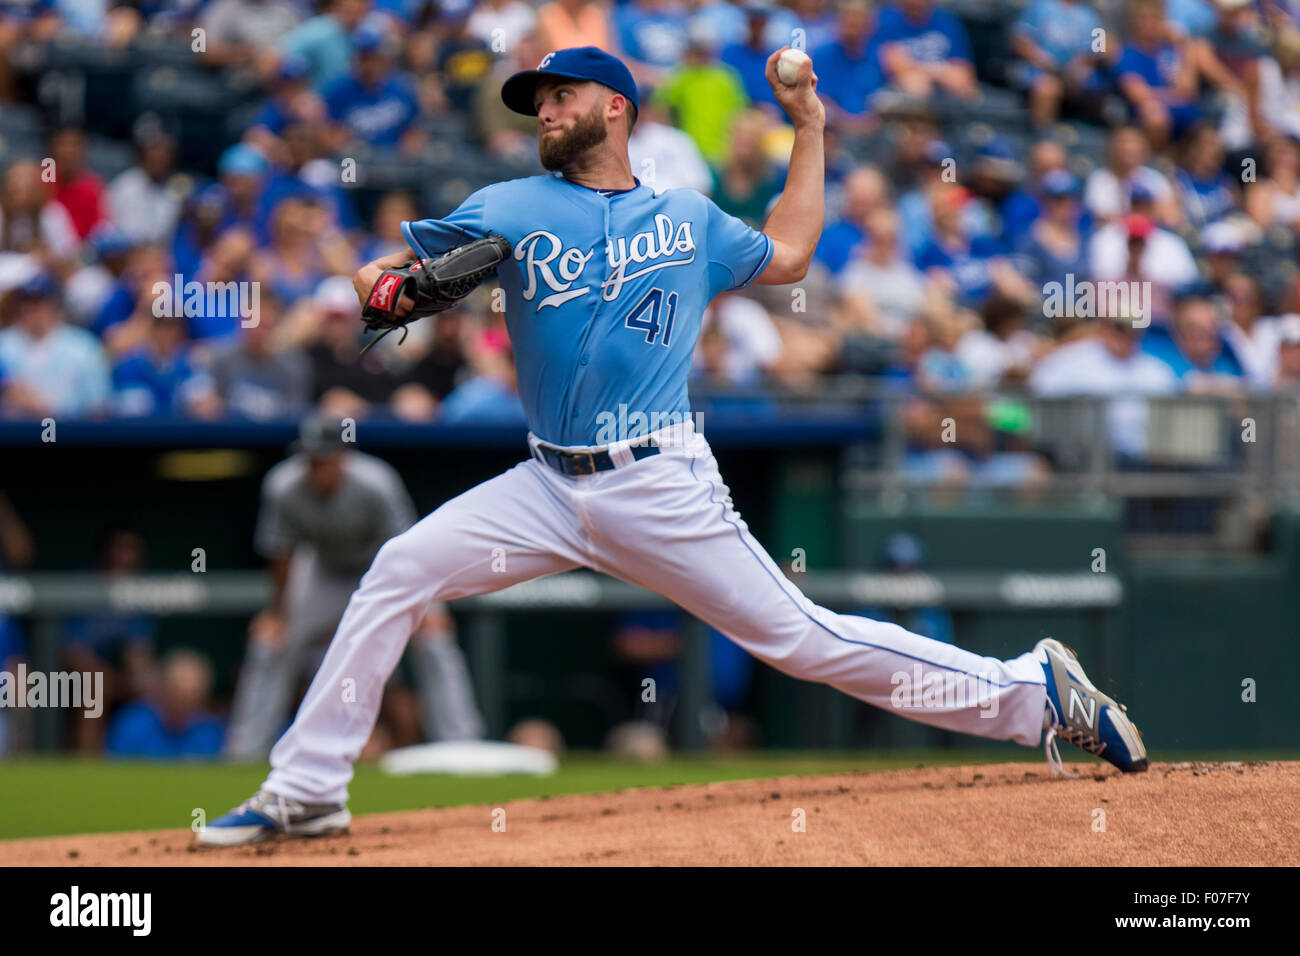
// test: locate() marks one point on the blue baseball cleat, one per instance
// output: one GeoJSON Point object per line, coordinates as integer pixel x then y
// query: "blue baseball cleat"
{"type": "Point", "coordinates": [267, 814]}
{"type": "Point", "coordinates": [1084, 716]}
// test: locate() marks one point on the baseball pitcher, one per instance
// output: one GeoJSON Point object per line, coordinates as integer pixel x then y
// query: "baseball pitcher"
{"type": "Point", "coordinates": [604, 284]}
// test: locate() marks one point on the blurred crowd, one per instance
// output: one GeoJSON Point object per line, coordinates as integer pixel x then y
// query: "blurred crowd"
{"type": "Point", "coordinates": [1149, 142]}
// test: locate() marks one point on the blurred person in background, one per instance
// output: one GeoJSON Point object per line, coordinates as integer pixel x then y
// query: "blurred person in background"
{"type": "Point", "coordinates": [461, 63]}
{"type": "Point", "coordinates": [1107, 189]}
{"type": "Point", "coordinates": [999, 207]}
{"type": "Point", "coordinates": [1205, 191]}
{"type": "Point", "coordinates": [502, 24]}
{"type": "Point", "coordinates": [848, 68]}
{"type": "Point", "coordinates": [651, 35]}
{"type": "Point", "coordinates": [570, 23]}
{"type": "Point", "coordinates": [1275, 199]}
{"type": "Point", "coordinates": [243, 172]}
{"type": "Point", "coordinates": [22, 22]}
{"type": "Point", "coordinates": [1138, 246]}
{"type": "Point", "coordinates": [91, 286]}
{"type": "Point", "coordinates": [75, 187]}
{"type": "Point", "coordinates": [703, 97]}
{"type": "Point", "coordinates": [972, 268]}
{"type": "Point", "coordinates": [325, 511]}
{"type": "Point", "coordinates": [256, 377]}
{"type": "Point", "coordinates": [1237, 46]}
{"type": "Point", "coordinates": [499, 129]}
{"type": "Point", "coordinates": [1052, 249]}
{"type": "Point", "coordinates": [375, 104]}
{"type": "Point", "coordinates": [883, 291]}
{"type": "Point", "coordinates": [345, 383]}
{"type": "Point", "coordinates": [491, 396]}
{"type": "Point", "coordinates": [752, 341]}
{"type": "Point", "coordinates": [158, 378]}
{"type": "Point", "coordinates": [239, 31]}
{"type": "Point", "coordinates": [748, 56]}
{"type": "Point", "coordinates": [1288, 355]}
{"type": "Point", "coordinates": [145, 200]}
{"type": "Point", "coordinates": [35, 233]}
{"type": "Point", "coordinates": [903, 553]}
{"type": "Point", "coordinates": [16, 552]}
{"type": "Point", "coordinates": [1195, 350]}
{"type": "Point", "coordinates": [48, 367]}
{"type": "Point", "coordinates": [1251, 335]}
{"type": "Point", "coordinates": [323, 41]}
{"type": "Point", "coordinates": [1025, 205]}
{"type": "Point", "coordinates": [1054, 40]}
{"type": "Point", "coordinates": [175, 722]}
{"type": "Point", "coordinates": [924, 49]}
{"type": "Point", "coordinates": [1279, 84]}
{"type": "Point", "coordinates": [292, 101]}
{"type": "Point", "coordinates": [385, 236]}
{"type": "Point", "coordinates": [305, 248]}
{"type": "Point", "coordinates": [1001, 350]}
{"type": "Point", "coordinates": [226, 265]}
{"type": "Point", "coordinates": [865, 192]}
{"type": "Point", "coordinates": [1161, 73]}
{"type": "Point", "coordinates": [436, 373]}
{"type": "Point", "coordinates": [118, 644]}
{"type": "Point", "coordinates": [747, 181]}
{"type": "Point", "coordinates": [1108, 362]}
{"type": "Point", "coordinates": [663, 156]}
{"type": "Point", "coordinates": [124, 319]}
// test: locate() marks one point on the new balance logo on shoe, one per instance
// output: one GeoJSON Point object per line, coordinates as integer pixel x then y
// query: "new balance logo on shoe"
{"type": "Point", "coordinates": [1076, 700]}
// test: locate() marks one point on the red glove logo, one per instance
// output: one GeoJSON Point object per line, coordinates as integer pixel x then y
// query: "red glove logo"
{"type": "Point", "coordinates": [381, 296]}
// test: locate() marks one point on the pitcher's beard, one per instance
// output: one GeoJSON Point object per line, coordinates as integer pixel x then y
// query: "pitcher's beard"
{"type": "Point", "coordinates": [560, 150]}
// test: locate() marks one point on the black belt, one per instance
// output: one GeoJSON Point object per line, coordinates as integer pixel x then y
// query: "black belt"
{"type": "Point", "coordinates": [587, 462]}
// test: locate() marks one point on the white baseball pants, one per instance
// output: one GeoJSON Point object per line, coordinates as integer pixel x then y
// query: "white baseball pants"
{"type": "Point", "coordinates": [665, 523]}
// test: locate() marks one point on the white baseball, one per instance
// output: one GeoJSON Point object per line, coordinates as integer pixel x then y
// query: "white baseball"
{"type": "Point", "coordinates": [787, 66]}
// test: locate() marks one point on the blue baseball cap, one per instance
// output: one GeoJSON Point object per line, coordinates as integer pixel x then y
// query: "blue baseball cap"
{"type": "Point", "coordinates": [40, 285]}
{"type": "Point", "coordinates": [241, 160]}
{"type": "Point", "coordinates": [1059, 182]}
{"type": "Point", "coordinates": [575, 63]}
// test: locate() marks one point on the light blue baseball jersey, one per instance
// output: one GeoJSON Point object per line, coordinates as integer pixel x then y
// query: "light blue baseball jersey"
{"type": "Point", "coordinates": [604, 293]}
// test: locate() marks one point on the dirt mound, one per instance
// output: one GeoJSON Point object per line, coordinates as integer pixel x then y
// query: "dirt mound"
{"type": "Point", "coordinates": [1223, 814]}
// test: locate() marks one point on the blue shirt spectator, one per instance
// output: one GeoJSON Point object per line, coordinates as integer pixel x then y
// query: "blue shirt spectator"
{"type": "Point", "coordinates": [139, 730]}
{"type": "Point", "coordinates": [934, 37]}
{"type": "Point", "coordinates": [1061, 29]}
{"type": "Point", "coordinates": [968, 263]}
{"type": "Point", "coordinates": [651, 34]}
{"type": "Point", "coordinates": [847, 76]}
{"type": "Point", "coordinates": [325, 43]}
{"type": "Point", "coordinates": [837, 244]}
{"type": "Point", "coordinates": [158, 378]}
{"type": "Point", "coordinates": [380, 114]}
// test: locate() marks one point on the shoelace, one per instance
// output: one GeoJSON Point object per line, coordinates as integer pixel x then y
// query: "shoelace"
{"type": "Point", "coordinates": [1079, 738]}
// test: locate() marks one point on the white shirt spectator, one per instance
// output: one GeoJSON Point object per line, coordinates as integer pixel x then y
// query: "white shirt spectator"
{"type": "Point", "coordinates": [897, 290]}
{"type": "Point", "coordinates": [514, 20]}
{"type": "Point", "coordinates": [1089, 368]}
{"type": "Point", "coordinates": [257, 23]}
{"type": "Point", "coordinates": [666, 158]}
{"type": "Point", "coordinates": [1166, 259]}
{"type": "Point", "coordinates": [67, 367]}
{"type": "Point", "coordinates": [1257, 349]}
{"type": "Point", "coordinates": [753, 341]}
{"type": "Point", "coordinates": [1106, 197]}
{"type": "Point", "coordinates": [988, 357]}
{"type": "Point", "coordinates": [1279, 97]}
{"type": "Point", "coordinates": [143, 209]}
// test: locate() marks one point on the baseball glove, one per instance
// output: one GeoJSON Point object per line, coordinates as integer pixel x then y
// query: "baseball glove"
{"type": "Point", "coordinates": [434, 285]}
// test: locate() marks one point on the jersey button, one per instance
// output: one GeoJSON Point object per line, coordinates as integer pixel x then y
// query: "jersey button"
{"type": "Point", "coordinates": [584, 360]}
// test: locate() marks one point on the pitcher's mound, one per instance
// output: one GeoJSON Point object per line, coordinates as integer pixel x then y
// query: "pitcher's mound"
{"type": "Point", "coordinates": [1222, 814]}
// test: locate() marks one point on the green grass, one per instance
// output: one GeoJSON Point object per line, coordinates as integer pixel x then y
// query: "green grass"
{"type": "Point", "coordinates": [51, 796]}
